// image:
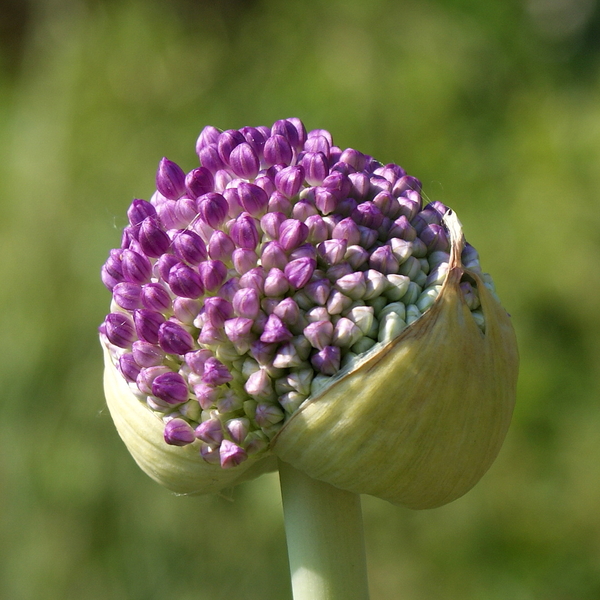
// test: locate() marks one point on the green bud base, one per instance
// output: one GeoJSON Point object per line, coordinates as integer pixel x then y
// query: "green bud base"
{"type": "Point", "coordinates": [324, 531]}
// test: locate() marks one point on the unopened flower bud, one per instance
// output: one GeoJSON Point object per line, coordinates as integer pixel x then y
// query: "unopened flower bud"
{"type": "Point", "coordinates": [261, 315]}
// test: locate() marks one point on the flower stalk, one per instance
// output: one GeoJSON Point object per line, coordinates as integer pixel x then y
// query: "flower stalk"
{"type": "Point", "coordinates": [324, 531]}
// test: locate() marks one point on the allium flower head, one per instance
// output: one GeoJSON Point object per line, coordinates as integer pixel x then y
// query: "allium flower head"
{"type": "Point", "coordinates": [289, 297]}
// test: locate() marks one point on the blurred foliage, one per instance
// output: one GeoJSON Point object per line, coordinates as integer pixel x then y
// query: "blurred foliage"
{"type": "Point", "coordinates": [494, 105]}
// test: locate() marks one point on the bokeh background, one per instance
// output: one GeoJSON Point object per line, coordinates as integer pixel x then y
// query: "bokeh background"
{"type": "Point", "coordinates": [494, 105]}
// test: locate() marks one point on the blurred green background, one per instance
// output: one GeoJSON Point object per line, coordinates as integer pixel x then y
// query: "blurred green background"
{"type": "Point", "coordinates": [494, 105]}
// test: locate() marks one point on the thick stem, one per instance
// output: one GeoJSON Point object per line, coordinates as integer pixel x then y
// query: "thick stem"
{"type": "Point", "coordinates": [324, 531]}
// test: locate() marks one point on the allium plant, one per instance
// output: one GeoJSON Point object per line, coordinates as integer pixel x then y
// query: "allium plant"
{"type": "Point", "coordinates": [289, 300]}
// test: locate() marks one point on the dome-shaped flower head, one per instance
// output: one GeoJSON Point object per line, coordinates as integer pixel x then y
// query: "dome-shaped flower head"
{"type": "Point", "coordinates": [289, 299]}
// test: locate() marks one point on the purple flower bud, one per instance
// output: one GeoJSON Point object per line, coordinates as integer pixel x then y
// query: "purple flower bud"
{"type": "Point", "coordinates": [288, 311]}
{"type": "Point", "coordinates": [383, 260]}
{"type": "Point", "coordinates": [352, 285]}
{"type": "Point", "coordinates": [244, 260]}
{"type": "Point", "coordinates": [213, 274]}
{"type": "Point", "coordinates": [215, 372]}
{"type": "Point", "coordinates": [210, 431]}
{"type": "Point", "coordinates": [271, 222]}
{"type": "Point", "coordinates": [254, 278]}
{"type": "Point", "coordinates": [207, 395]}
{"type": "Point", "coordinates": [325, 200]}
{"type": "Point", "coordinates": [337, 302]}
{"type": "Point", "coordinates": [155, 297]}
{"type": "Point", "coordinates": [218, 310]}
{"type": "Point", "coordinates": [391, 172]}
{"type": "Point", "coordinates": [220, 246]}
{"type": "Point", "coordinates": [259, 385]}
{"type": "Point", "coordinates": [195, 360]}
{"type": "Point", "coordinates": [170, 179]}
{"type": "Point", "coordinates": [273, 256]}
{"type": "Point", "coordinates": [185, 209]}
{"type": "Point", "coordinates": [136, 267]}
{"type": "Point", "coordinates": [335, 272]}
{"type": "Point", "coordinates": [147, 376]}
{"type": "Point", "coordinates": [212, 208]}
{"type": "Point", "coordinates": [406, 183]}
{"type": "Point", "coordinates": [275, 331]}
{"type": "Point", "coordinates": [238, 330]}
{"type": "Point", "coordinates": [210, 453]}
{"type": "Point", "coordinates": [292, 234]}
{"type": "Point", "coordinates": [127, 295]}
{"type": "Point", "coordinates": [435, 238]}
{"type": "Point", "coordinates": [146, 354]}
{"type": "Point", "coordinates": [409, 204]}
{"type": "Point", "coordinates": [345, 333]}
{"type": "Point", "coordinates": [322, 132]}
{"type": "Point", "coordinates": [346, 207]}
{"type": "Point", "coordinates": [379, 184]}
{"type": "Point", "coordinates": [327, 360]}
{"type": "Point", "coordinates": [199, 182]}
{"type": "Point", "coordinates": [139, 210]}
{"type": "Point", "coordinates": [178, 433]}
{"type": "Point", "coordinates": [318, 291]}
{"type": "Point", "coordinates": [303, 210]}
{"type": "Point", "coordinates": [354, 158]}
{"type": "Point", "coordinates": [276, 283]}
{"type": "Point", "coordinates": [360, 185]}
{"type": "Point", "coordinates": [317, 143]}
{"type": "Point", "coordinates": [402, 228]}
{"type": "Point", "coordinates": [128, 367]}
{"type": "Point", "coordinates": [279, 203]}
{"type": "Point", "coordinates": [112, 270]}
{"type": "Point", "coordinates": [153, 240]}
{"type": "Point", "coordinates": [223, 178]}
{"type": "Point", "coordinates": [238, 429]}
{"type": "Point", "coordinates": [170, 388]}
{"type": "Point", "coordinates": [168, 215]}
{"type": "Point", "coordinates": [300, 129]}
{"type": "Point", "coordinates": [317, 229]}
{"type": "Point", "coordinates": [244, 232]}
{"type": "Point", "coordinates": [368, 215]}
{"type": "Point", "coordinates": [253, 198]}
{"type": "Point", "coordinates": [266, 183]}
{"type": "Point", "coordinates": [315, 167]}
{"type": "Point", "coordinates": [347, 230]}
{"type": "Point", "coordinates": [147, 323]}
{"type": "Point", "coordinates": [255, 137]}
{"type": "Point", "coordinates": [289, 180]}
{"type": "Point", "coordinates": [278, 150]}
{"type": "Point", "coordinates": [244, 161]}
{"type": "Point", "coordinates": [285, 128]}
{"type": "Point", "coordinates": [338, 184]}
{"type": "Point", "coordinates": [299, 271]}
{"type": "Point", "coordinates": [174, 339]}
{"type": "Point", "coordinates": [401, 249]}
{"type": "Point", "coordinates": [231, 454]}
{"type": "Point", "coordinates": [246, 303]}
{"type": "Point", "coordinates": [427, 216]}
{"type": "Point", "coordinates": [387, 204]}
{"type": "Point", "coordinates": [210, 159]}
{"type": "Point", "coordinates": [189, 247]}
{"type": "Point", "coordinates": [227, 141]}
{"type": "Point", "coordinates": [263, 352]}
{"type": "Point", "coordinates": [332, 251]}
{"type": "Point", "coordinates": [356, 257]}
{"type": "Point", "coordinates": [163, 265]}
{"type": "Point", "coordinates": [268, 414]}
{"type": "Point", "coordinates": [319, 334]}
{"type": "Point", "coordinates": [317, 313]}
{"type": "Point", "coordinates": [209, 135]}
{"type": "Point", "coordinates": [185, 282]}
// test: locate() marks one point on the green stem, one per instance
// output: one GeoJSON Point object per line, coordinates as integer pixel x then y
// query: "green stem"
{"type": "Point", "coordinates": [324, 531]}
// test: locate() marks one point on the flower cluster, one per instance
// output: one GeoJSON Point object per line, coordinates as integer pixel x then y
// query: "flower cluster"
{"type": "Point", "coordinates": [242, 287]}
